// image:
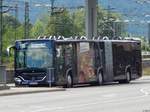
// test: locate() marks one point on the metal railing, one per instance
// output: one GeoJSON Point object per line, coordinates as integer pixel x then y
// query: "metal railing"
{"type": "Point", "coordinates": [2, 75]}
{"type": "Point", "coordinates": [50, 76]}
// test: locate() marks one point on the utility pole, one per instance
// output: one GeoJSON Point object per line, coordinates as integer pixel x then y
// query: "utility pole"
{"type": "Point", "coordinates": [110, 23]}
{"type": "Point", "coordinates": [91, 18]}
{"type": "Point", "coordinates": [1, 30]}
{"type": "Point", "coordinates": [149, 33]}
{"type": "Point", "coordinates": [52, 7]}
{"type": "Point", "coordinates": [16, 16]}
{"type": "Point", "coordinates": [26, 18]}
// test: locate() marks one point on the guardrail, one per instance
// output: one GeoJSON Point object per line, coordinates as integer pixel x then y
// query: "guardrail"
{"type": "Point", "coordinates": [146, 56]}
{"type": "Point", "coordinates": [50, 76]}
{"type": "Point", "coordinates": [2, 75]}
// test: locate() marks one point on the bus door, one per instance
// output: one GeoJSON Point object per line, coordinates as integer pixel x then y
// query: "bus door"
{"type": "Point", "coordinates": [98, 56]}
{"type": "Point", "coordinates": [120, 60]}
{"type": "Point", "coordinates": [86, 71]}
{"type": "Point", "coordinates": [70, 60]}
{"type": "Point", "coordinates": [60, 64]}
{"type": "Point", "coordinates": [136, 61]}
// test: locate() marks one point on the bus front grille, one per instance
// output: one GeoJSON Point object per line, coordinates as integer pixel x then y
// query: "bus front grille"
{"type": "Point", "coordinates": [34, 76]}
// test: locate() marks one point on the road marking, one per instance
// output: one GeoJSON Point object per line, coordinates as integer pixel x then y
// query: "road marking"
{"type": "Point", "coordinates": [145, 92]}
{"type": "Point", "coordinates": [109, 95]}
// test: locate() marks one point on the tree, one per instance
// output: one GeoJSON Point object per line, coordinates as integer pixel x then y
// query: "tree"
{"type": "Point", "coordinates": [78, 19]}
{"type": "Point", "coordinates": [9, 20]}
{"type": "Point", "coordinates": [10, 27]}
{"type": "Point", "coordinates": [60, 24]}
{"type": "Point", "coordinates": [107, 25]}
{"type": "Point", "coordinates": [38, 29]}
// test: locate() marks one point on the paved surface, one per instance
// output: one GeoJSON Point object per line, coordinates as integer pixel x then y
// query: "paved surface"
{"type": "Point", "coordinates": [25, 90]}
{"type": "Point", "coordinates": [4, 87]}
{"type": "Point", "coordinates": [134, 97]}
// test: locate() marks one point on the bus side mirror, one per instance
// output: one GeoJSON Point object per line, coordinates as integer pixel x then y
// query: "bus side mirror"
{"type": "Point", "coordinates": [9, 49]}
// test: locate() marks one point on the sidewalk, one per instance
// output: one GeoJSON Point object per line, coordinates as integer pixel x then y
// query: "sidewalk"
{"type": "Point", "coordinates": [3, 87]}
{"type": "Point", "coordinates": [145, 78]}
{"type": "Point", "coordinates": [11, 90]}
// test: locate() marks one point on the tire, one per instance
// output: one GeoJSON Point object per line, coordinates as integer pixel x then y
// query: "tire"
{"type": "Point", "coordinates": [17, 85]}
{"type": "Point", "coordinates": [128, 77]}
{"type": "Point", "coordinates": [69, 81]}
{"type": "Point", "coordinates": [100, 78]}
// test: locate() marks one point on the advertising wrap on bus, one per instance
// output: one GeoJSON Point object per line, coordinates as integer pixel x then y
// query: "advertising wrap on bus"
{"type": "Point", "coordinates": [86, 63]}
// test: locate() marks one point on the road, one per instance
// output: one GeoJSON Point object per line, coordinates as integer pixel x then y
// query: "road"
{"type": "Point", "coordinates": [133, 97]}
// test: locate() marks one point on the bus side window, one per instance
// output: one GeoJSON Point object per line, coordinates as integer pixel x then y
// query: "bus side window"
{"type": "Point", "coordinates": [58, 52]}
{"type": "Point", "coordinates": [68, 54]}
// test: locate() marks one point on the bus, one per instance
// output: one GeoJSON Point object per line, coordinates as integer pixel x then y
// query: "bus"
{"type": "Point", "coordinates": [69, 62]}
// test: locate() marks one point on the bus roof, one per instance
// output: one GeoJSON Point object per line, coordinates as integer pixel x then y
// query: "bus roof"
{"type": "Point", "coordinates": [71, 40]}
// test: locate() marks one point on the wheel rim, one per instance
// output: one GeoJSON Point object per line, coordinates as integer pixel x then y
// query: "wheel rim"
{"type": "Point", "coordinates": [128, 76]}
{"type": "Point", "coordinates": [69, 79]}
{"type": "Point", "coordinates": [100, 80]}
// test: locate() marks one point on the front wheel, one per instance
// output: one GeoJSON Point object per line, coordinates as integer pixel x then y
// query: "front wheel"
{"type": "Point", "coordinates": [100, 78]}
{"type": "Point", "coordinates": [128, 77]}
{"type": "Point", "coordinates": [69, 81]}
{"type": "Point", "coordinates": [17, 85]}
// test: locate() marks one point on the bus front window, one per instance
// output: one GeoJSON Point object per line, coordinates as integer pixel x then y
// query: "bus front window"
{"type": "Point", "coordinates": [35, 57]}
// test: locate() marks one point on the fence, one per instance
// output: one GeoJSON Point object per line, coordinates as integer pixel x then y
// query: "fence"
{"type": "Point", "coordinates": [2, 75]}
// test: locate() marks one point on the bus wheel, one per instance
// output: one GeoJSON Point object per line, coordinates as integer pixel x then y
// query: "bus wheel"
{"type": "Point", "coordinates": [128, 77]}
{"type": "Point", "coordinates": [100, 78]}
{"type": "Point", "coordinates": [127, 80]}
{"type": "Point", "coordinates": [17, 85]}
{"type": "Point", "coordinates": [69, 81]}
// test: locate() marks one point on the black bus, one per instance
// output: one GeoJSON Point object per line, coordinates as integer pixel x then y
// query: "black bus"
{"type": "Point", "coordinates": [70, 62]}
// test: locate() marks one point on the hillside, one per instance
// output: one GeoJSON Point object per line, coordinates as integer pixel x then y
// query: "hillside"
{"type": "Point", "coordinates": [133, 11]}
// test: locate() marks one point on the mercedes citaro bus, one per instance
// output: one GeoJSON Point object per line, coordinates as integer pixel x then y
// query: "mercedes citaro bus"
{"type": "Point", "coordinates": [73, 61]}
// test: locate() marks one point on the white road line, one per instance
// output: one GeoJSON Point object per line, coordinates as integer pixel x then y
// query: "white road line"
{"type": "Point", "coordinates": [145, 92]}
{"type": "Point", "coordinates": [109, 95]}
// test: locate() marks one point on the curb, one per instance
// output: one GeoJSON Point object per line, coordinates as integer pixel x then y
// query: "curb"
{"type": "Point", "coordinates": [4, 88]}
{"type": "Point", "coordinates": [11, 92]}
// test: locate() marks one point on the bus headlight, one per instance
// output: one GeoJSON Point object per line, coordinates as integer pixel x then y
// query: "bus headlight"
{"type": "Point", "coordinates": [18, 80]}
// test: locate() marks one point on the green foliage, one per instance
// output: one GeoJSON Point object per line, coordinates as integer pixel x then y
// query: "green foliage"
{"type": "Point", "coordinates": [9, 20]}
{"type": "Point", "coordinates": [9, 25]}
{"type": "Point", "coordinates": [38, 29]}
{"type": "Point", "coordinates": [65, 23]}
{"type": "Point", "coordinates": [20, 32]}
{"type": "Point", "coordinates": [60, 24]}
{"type": "Point", "coordinates": [107, 25]}
{"type": "Point", "coordinates": [145, 45]}
{"type": "Point", "coordinates": [73, 24]}
{"type": "Point", "coordinates": [78, 19]}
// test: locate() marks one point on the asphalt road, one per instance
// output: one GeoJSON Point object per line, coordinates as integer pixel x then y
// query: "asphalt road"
{"type": "Point", "coordinates": [133, 97]}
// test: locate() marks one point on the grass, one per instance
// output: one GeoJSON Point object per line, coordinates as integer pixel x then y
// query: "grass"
{"type": "Point", "coordinates": [146, 71]}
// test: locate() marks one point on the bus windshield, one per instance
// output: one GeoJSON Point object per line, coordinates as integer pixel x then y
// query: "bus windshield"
{"type": "Point", "coordinates": [34, 55]}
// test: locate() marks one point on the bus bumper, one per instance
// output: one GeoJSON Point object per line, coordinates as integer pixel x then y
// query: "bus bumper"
{"type": "Point", "coordinates": [20, 81]}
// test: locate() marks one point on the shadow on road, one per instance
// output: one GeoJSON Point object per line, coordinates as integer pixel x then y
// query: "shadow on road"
{"type": "Point", "coordinates": [136, 82]}
{"type": "Point", "coordinates": [141, 82]}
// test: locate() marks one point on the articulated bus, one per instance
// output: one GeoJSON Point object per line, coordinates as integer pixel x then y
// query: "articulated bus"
{"type": "Point", "coordinates": [70, 62]}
